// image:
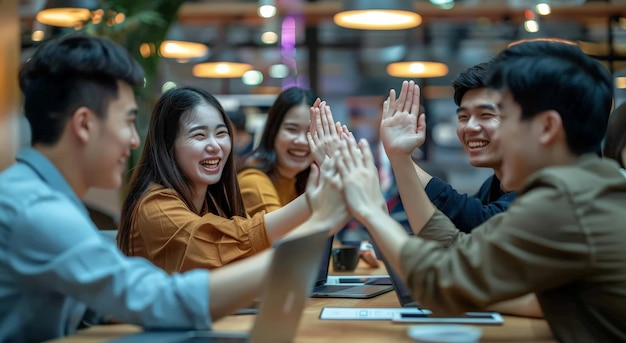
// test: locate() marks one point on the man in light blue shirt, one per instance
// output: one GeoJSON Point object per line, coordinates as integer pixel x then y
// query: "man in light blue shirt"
{"type": "Point", "coordinates": [49, 249]}
{"type": "Point", "coordinates": [79, 100]}
{"type": "Point", "coordinates": [53, 262]}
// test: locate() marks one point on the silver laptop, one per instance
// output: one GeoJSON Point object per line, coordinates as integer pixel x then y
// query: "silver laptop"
{"type": "Point", "coordinates": [405, 298]}
{"type": "Point", "coordinates": [323, 289]}
{"type": "Point", "coordinates": [290, 279]}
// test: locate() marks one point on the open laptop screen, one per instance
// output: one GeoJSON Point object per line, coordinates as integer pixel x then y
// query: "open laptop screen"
{"type": "Point", "coordinates": [324, 262]}
{"type": "Point", "coordinates": [402, 290]}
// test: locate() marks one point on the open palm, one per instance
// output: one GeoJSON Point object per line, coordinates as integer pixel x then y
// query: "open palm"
{"type": "Point", "coordinates": [402, 128]}
{"type": "Point", "coordinates": [359, 175]}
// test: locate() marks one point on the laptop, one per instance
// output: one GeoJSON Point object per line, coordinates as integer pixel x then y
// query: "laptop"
{"type": "Point", "coordinates": [289, 281]}
{"type": "Point", "coordinates": [324, 289]}
{"type": "Point", "coordinates": [424, 316]}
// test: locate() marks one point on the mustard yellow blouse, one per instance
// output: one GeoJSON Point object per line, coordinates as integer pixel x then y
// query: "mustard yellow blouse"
{"type": "Point", "coordinates": [173, 237]}
{"type": "Point", "coordinates": [260, 193]}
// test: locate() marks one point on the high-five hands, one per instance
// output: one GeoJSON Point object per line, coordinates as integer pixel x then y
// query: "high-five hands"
{"type": "Point", "coordinates": [402, 128]}
{"type": "Point", "coordinates": [355, 164]}
{"type": "Point", "coordinates": [324, 195]}
{"type": "Point", "coordinates": [324, 134]}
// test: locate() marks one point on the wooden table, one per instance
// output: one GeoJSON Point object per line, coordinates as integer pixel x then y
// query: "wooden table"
{"type": "Point", "coordinates": [314, 330]}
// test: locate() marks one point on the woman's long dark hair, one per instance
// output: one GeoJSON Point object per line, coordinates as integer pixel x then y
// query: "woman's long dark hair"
{"type": "Point", "coordinates": [264, 156]}
{"type": "Point", "coordinates": [157, 163]}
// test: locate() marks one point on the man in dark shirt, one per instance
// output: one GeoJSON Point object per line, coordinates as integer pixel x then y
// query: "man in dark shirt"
{"type": "Point", "coordinates": [478, 119]}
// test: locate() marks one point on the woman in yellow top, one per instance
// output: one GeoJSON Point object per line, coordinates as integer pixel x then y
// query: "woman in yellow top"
{"type": "Point", "coordinates": [184, 209]}
{"type": "Point", "coordinates": [275, 173]}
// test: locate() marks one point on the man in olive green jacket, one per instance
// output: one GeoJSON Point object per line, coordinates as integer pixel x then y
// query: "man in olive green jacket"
{"type": "Point", "coordinates": [564, 237]}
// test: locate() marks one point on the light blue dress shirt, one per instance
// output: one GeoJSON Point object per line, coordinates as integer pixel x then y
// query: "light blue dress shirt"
{"type": "Point", "coordinates": [54, 264]}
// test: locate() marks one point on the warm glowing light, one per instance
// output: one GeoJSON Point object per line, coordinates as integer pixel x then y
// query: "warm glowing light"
{"type": "Point", "coordinates": [267, 11]}
{"type": "Point", "coordinates": [220, 69]}
{"type": "Point", "coordinates": [63, 17]}
{"type": "Point", "coordinates": [378, 19]}
{"type": "Point", "coordinates": [531, 26]}
{"type": "Point", "coordinates": [529, 14]}
{"type": "Point", "coordinates": [417, 69]}
{"type": "Point", "coordinates": [269, 37]}
{"type": "Point", "coordinates": [182, 50]}
{"type": "Point", "coordinates": [38, 36]}
{"type": "Point", "coordinates": [146, 49]}
{"type": "Point", "coordinates": [620, 82]}
{"type": "Point", "coordinates": [119, 18]}
{"type": "Point", "coordinates": [96, 16]}
{"type": "Point", "coordinates": [543, 8]}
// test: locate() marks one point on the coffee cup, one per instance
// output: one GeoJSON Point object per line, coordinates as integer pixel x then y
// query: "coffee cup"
{"type": "Point", "coordinates": [345, 258]}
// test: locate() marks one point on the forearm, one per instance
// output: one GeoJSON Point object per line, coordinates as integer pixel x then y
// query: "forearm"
{"type": "Point", "coordinates": [286, 218]}
{"type": "Point", "coordinates": [526, 306]}
{"type": "Point", "coordinates": [236, 285]}
{"type": "Point", "coordinates": [131, 290]}
{"type": "Point", "coordinates": [318, 222]}
{"type": "Point", "coordinates": [423, 176]}
{"type": "Point", "coordinates": [416, 203]}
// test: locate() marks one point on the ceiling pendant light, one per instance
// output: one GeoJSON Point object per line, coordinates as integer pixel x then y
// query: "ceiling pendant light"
{"type": "Point", "coordinates": [177, 45]}
{"type": "Point", "coordinates": [66, 13]}
{"type": "Point", "coordinates": [182, 50]}
{"type": "Point", "coordinates": [417, 69]}
{"type": "Point", "coordinates": [417, 63]}
{"type": "Point", "coordinates": [378, 15]}
{"type": "Point", "coordinates": [223, 66]}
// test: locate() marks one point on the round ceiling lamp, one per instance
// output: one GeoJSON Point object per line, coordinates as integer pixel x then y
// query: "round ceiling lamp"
{"type": "Point", "coordinates": [378, 15]}
{"type": "Point", "coordinates": [182, 50]}
{"type": "Point", "coordinates": [417, 69]}
{"type": "Point", "coordinates": [220, 69]}
{"type": "Point", "coordinates": [66, 13]}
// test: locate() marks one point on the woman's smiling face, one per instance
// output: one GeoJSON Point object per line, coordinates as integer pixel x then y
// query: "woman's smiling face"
{"type": "Point", "coordinates": [202, 147]}
{"type": "Point", "coordinates": [292, 148]}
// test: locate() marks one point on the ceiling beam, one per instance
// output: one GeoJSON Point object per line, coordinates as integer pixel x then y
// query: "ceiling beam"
{"type": "Point", "coordinates": [314, 12]}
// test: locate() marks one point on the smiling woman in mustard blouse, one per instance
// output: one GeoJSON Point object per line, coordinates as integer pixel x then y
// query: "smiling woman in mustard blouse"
{"type": "Point", "coordinates": [184, 209]}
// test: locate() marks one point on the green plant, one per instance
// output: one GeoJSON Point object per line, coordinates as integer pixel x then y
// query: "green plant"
{"type": "Point", "coordinates": [140, 26]}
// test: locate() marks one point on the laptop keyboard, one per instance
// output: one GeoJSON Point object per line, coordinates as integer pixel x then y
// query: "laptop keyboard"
{"type": "Point", "coordinates": [331, 288]}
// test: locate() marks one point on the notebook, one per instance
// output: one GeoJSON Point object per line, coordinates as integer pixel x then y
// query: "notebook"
{"type": "Point", "coordinates": [323, 289]}
{"type": "Point", "coordinates": [289, 281]}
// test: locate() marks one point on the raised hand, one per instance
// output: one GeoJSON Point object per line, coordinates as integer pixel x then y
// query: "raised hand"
{"type": "Point", "coordinates": [325, 135]}
{"type": "Point", "coordinates": [402, 128]}
{"type": "Point", "coordinates": [358, 172]}
{"type": "Point", "coordinates": [324, 195]}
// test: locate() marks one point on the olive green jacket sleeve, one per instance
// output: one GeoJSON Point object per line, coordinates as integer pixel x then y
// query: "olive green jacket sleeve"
{"type": "Point", "coordinates": [559, 229]}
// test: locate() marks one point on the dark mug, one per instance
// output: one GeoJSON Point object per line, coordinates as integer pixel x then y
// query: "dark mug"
{"type": "Point", "coordinates": [345, 258]}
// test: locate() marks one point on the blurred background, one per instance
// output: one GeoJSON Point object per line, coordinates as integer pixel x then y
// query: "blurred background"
{"type": "Point", "coordinates": [281, 43]}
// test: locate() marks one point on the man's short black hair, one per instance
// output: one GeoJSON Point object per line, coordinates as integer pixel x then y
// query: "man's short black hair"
{"type": "Point", "coordinates": [547, 74]}
{"type": "Point", "coordinates": [474, 77]}
{"type": "Point", "coordinates": [67, 73]}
